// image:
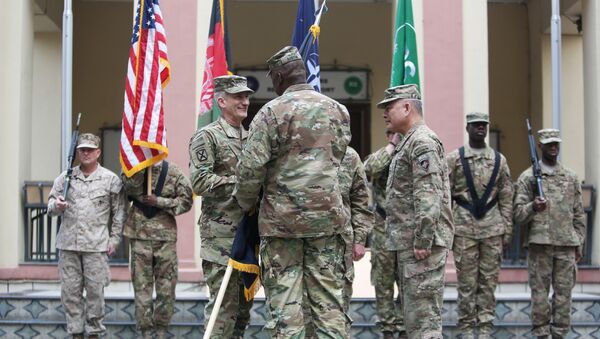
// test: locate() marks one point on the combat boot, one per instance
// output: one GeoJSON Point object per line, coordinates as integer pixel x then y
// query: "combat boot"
{"type": "Point", "coordinates": [78, 336]}
{"type": "Point", "coordinates": [161, 333]}
{"type": "Point", "coordinates": [402, 335]}
{"type": "Point", "coordinates": [388, 335]}
{"type": "Point", "coordinates": [93, 336]}
{"type": "Point", "coordinates": [147, 334]}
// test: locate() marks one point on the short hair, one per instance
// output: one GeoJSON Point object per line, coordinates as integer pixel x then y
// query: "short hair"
{"type": "Point", "coordinates": [219, 94]}
{"type": "Point", "coordinates": [417, 104]}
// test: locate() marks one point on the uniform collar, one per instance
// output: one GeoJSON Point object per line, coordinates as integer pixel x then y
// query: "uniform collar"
{"type": "Point", "coordinates": [231, 131]}
{"type": "Point", "coordinates": [77, 173]}
{"type": "Point", "coordinates": [558, 169]}
{"type": "Point", "coordinates": [488, 154]}
{"type": "Point", "coordinates": [299, 87]}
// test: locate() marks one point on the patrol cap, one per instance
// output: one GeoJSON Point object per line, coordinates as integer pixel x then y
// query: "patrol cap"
{"type": "Point", "coordinates": [232, 84]}
{"type": "Point", "coordinates": [284, 56]}
{"type": "Point", "coordinates": [478, 117]}
{"type": "Point", "coordinates": [88, 140]}
{"type": "Point", "coordinates": [410, 91]}
{"type": "Point", "coordinates": [549, 135]}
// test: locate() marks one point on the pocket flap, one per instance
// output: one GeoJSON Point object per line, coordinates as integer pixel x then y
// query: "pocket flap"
{"type": "Point", "coordinates": [431, 263]}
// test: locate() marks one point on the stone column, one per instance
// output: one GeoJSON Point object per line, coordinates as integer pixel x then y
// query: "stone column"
{"type": "Point", "coordinates": [16, 61]}
{"type": "Point", "coordinates": [591, 80]}
{"type": "Point", "coordinates": [475, 57]}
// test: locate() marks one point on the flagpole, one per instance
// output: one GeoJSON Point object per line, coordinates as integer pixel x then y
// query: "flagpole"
{"type": "Point", "coordinates": [218, 301]}
{"type": "Point", "coordinates": [556, 62]}
{"type": "Point", "coordinates": [67, 82]}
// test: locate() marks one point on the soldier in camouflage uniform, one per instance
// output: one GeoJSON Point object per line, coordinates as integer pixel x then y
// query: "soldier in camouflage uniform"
{"type": "Point", "coordinates": [419, 217]}
{"type": "Point", "coordinates": [214, 152]}
{"type": "Point", "coordinates": [556, 231]}
{"type": "Point", "coordinates": [95, 200]}
{"type": "Point", "coordinates": [353, 185]}
{"type": "Point", "coordinates": [295, 147]}
{"type": "Point", "coordinates": [384, 266]}
{"type": "Point", "coordinates": [482, 195]}
{"type": "Point", "coordinates": [152, 230]}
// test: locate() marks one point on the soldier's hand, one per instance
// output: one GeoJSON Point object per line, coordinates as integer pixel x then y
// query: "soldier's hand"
{"type": "Point", "coordinates": [421, 253]}
{"type": "Point", "coordinates": [111, 250]}
{"type": "Point", "coordinates": [150, 200]}
{"type": "Point", "coordinates": [61, 204]}
{"type": "Point", "coordinates": [539, 204]}
{"type": "Point", "coordinates": [358, 252]}
{"type": "Point", "coordinates": [396, 138]}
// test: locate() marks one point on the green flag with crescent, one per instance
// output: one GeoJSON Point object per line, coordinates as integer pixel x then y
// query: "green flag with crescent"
{"type": "Point", "coordinates": [405, 64]}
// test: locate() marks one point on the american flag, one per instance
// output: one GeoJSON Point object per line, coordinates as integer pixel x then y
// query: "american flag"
{"type": "Point", "coordinates": [143, 137]}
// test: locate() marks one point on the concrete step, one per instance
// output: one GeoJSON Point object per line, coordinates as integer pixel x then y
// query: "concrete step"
{"type": "Point", "coordinates": [39, 314]}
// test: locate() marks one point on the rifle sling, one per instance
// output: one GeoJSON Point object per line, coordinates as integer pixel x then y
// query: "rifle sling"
{"type": "Point", "coordinates": [479, 207]}
{"type": "Point", "coordinates": [151, 211]}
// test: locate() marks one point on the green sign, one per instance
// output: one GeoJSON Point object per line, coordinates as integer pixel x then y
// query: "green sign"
{"type": "Point", "coordinates": [353, 85]}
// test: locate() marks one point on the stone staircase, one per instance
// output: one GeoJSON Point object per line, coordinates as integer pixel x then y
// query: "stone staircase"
{"type": "Point", "coordinates": [39, 314]}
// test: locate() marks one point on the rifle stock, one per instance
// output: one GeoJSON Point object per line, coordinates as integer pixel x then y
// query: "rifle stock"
{"type": "Point", "coordinates": [535, 165]}
{"type": "Point", "coordinates": [71, 157]}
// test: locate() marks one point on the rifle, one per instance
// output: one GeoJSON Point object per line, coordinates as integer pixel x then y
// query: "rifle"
{"type": "Point", "coordinates": [71, 157]}
{"type": "Point", "coordinates": [535, 165]}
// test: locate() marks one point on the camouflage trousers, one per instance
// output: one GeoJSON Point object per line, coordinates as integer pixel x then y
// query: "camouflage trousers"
{"type": "Point", "coordinates": [556, 266]}
{"type": "Point", "coordinates": [295, 267]}
{"type": "Point", "coordinates": [384, 274]}
{"type": "Point", "coordinates": [422, 284]}
{"type": "Point", "coordinates": [477, 268]}
{"type": "Point", "coordinates": [153, 267]}
{"type": "Point", "coordinates": [234, 314]}
{"type": "Point", "coordinates": [81, 271]}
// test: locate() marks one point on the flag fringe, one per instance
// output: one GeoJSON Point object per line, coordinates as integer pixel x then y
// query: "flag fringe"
{"type": "Point", "coordinates": [141, 165]}
{"type": "Point", "coordinates": [248, 268]}
{"type": "Point", "coordinates": [249, 293]}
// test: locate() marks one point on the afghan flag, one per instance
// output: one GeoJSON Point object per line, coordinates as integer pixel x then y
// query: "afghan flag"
{"type": "Point", "coordinates": [405, 65]}
{"type": "Point", "coordinates": [217, 62]}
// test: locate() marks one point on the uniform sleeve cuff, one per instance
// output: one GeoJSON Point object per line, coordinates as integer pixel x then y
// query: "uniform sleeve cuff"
{"type": "Point", "coordinates": [422, 243]}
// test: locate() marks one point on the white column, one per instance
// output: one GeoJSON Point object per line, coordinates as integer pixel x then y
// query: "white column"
{"type": "Point", "coordinates": [591, 78]}
{"type": "Point", "coordinates": [16, 60]}
{"type": "Point", "coordinates": [475, 57]}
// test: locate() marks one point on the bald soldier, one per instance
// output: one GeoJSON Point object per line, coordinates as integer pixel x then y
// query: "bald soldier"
{"type": "Point", "coordinates": [482, 194]}
{"type": "Point", "coordinates": [95, 200]}
{"type": "Point", "coordinates": [556, 232]}
{"type": "Point", "coordinates": [419, 217]}
{"type": "Point", "coordinates": [214, 151]}
{"type": "Point", "coordinates": [294, 150]}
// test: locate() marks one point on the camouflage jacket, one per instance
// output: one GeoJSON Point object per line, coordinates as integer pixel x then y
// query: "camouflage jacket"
{"type": "Point", "coordinates": [353, 185]}
{"type": "Point", "coordinates": [95, 202]}
{"type": "Point", "coordinates": [418, 194]}
{"type": "Point", "coordinates": [294, 149]}
{"type": "Point", "coordinates": [377, 169]}
{"type": "Point", "coordinates": [175, 199]}
{"type": "Point", "coordinates": [214, 152]}
{"type": "Point", "coordinates": [498, 220]}
{"type": "Point", "coordinates": [563, 222]}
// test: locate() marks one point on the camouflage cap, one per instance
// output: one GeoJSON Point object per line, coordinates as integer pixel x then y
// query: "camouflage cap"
{"type": "Point", "coordinates": [88, 140]}
{"type": "Point", "coordinates": [478, 117]}
{"type": "Point", "coordinates": [285, 55]}
{"type": "Point", "coordinates": [399, 92]}
{"type": "Point", "coordinates": [549, 135]}
{"type": "Point", "coordinates": [232, 84]}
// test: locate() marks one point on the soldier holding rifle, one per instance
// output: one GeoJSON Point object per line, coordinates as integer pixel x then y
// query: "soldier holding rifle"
{"type": "Point", "coordinates": [548, 201]}
{"type": "Point", "coordinates": [94, 200]}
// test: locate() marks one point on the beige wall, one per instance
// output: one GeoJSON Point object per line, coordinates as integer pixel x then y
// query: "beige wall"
{"type": "Point", "coordinates": [46, 106]}
{"type": "Point", "coordinates": [16, 24]}
{"type": "Point", "coordinates": [572, 113]}
{"type": "Point", "coordinates": [100, 53]}
{"type": "Point", "coordinates": [346, 38]}
{"type": "Point", "coordinates": [509, 81]}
